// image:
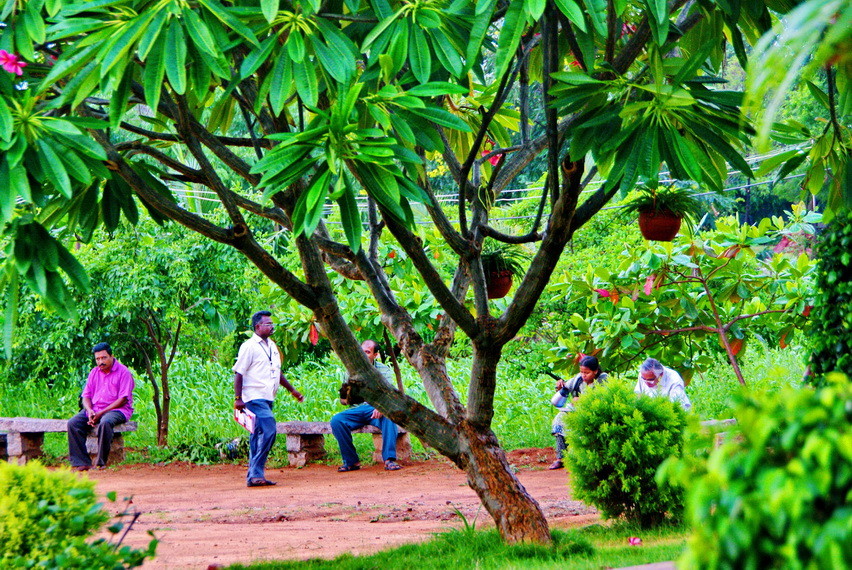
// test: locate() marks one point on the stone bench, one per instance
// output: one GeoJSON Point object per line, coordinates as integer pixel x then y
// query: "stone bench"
{"type": "Point", "coordinates": [21, 439]}
{"type": "Point", "coordinates": [718, 429]}
{"type": "Point", "coordinates": [306, 441]}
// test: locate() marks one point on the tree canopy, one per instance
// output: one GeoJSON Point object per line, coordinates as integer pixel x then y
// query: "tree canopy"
{"type": "Point", "coordinates": [283, 109]}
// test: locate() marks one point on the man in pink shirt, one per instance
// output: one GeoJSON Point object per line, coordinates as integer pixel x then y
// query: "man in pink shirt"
{"type": "Point", "coordinates": [107, 402]}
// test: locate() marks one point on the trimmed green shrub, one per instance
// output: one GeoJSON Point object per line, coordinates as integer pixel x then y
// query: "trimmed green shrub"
{"type": "Point", "coordinates": [46, 517]}
{"type": "Point", "coordinates": [832, 313]}
{"type": "Point", "coordinates": [616, 441]}
{"type": "Point", "coordinates": [778, 494]}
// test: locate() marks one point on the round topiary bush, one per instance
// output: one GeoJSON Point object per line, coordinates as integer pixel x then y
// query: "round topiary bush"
{"type": "Point", "coordinates": [616, 442]}
{"type": "Point", "coordinates": [831, 332]}
{"type": "Point", "coordinates": [777, 495]}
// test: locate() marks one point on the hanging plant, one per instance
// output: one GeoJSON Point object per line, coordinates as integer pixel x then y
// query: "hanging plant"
{"type": "Point", "coordinates": [662, 209]}
{"type": "Point", "coordinates": [500, 263]}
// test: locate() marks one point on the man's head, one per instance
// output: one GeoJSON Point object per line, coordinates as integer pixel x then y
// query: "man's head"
{"type": "Point", "coordinates": [371, 349]}
{"type": "Point", "coordinates": [651, 371]}
{"type": "Point", "coordinates": [103, 356]}
{"type": "Point", "coordinates": [261, 323]}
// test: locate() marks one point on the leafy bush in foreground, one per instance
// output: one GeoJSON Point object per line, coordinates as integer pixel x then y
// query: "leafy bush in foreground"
{"type": "Point", "coordinates": [46, 517]}
{"type": "Point", "coordinates": [616, 442]}
{"type": "Point", "coordinates": [777, 496]}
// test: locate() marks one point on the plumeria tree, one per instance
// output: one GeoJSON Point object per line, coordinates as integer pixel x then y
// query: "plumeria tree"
{"type": "Point", "coordinates": [301, 113]}
{"type": "Point", "coordinates": [680, 301]}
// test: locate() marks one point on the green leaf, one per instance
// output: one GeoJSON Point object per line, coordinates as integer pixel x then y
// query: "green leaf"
{"type": "Point", "coordinates": [377, 31]}
{"type": "Point", "coordinates": [152, 32]}
{"type": "Point", "coordinates": [419, 54]}
{"type": "Point", "coordinates": [442, 118]}
{"type": "Point", "coordinates": [282, 77]}
{"type": "Point", "coordinates": [296, 47]}
{"type": "Point", "coordinates": [10, 314]}
{"type": "Point", "coordinates": [269, 8]}
{"type": "Point", "coordinates": [510, 36]}
{"type": "Point", "coordinates": [199, 33]}
{"type": "Point", "coordinates": [478, 31]}
{"type": "Point", "coordinates": [350, 217]}
{"type": "Point", "coordinates": [229, 20]}
{"type": "Point", "coordinates": [258, 56]}
{"type": "Point", "coordinates": [573, 12]}
{"type": "Point", "coordinates": [176, 57]}
{"type": "Point", "coordinates": [122, 43]}
{"type": "Point", "coordinates": [52, 167]}
{"type": "Point", "coordinates": [77, 59]}
{"type": "Point", "coordinates": [306, 82]}
{"type": "Point", "coordinates": [447, 55]}
{"type": "Point", "coordinates": [152, 77]}
{"type": "Point", "coordinates": [5, 121]}
{"type": "Point", "coordinates": [596, 9]}
{"type": "Point", "coordinates": [338, 67]}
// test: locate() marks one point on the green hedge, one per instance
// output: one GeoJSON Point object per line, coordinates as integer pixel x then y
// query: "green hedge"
{"type": "Point", "coordinates": [616, 441]}
{"type": "Point", "coordinates": [832, 313]}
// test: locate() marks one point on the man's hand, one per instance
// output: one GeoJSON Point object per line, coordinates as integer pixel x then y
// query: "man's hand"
{"type": "Point", "coordinates": [239, 404]}
{"type": "Point", "coordinates": [560, 384]}
{"type": "Point", "coordinates": [376, 415]}
{"type": "Point", "coordinates": [93, 417]}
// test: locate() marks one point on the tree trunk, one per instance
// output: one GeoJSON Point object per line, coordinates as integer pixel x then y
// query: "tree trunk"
{"type": "Point", "coordinates": [516, 514]}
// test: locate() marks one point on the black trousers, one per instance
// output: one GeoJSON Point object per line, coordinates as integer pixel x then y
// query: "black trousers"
{"type": "Point", "coordinates": [79, 428]}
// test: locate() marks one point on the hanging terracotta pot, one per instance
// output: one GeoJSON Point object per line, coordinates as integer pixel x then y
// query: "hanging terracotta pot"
{"type": "Point", "coordinates": [659, 225]}
{"type": "Point", "coordinates": [498, 283]}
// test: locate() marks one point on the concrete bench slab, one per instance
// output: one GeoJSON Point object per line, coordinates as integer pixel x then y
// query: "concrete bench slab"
{"type": "Point", "coordinates": [306, 441]}
{"type": "Point", "coordinates": [22, 439]}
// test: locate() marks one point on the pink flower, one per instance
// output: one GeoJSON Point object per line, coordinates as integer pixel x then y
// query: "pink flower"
{"type": "Point", "coordinates": [634, 541]}
{"type": "Point", "coordinates": [12, 63]}
{"type": "Point", "coordinates": [781, 245]}
{"type": "Point", "coordinates": [649, 284]}
{"type": "Point", "coordinates": [602, 292]}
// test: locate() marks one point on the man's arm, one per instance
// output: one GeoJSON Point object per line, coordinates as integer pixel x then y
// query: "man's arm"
{"type": "Point", "coordinates": [94, 418]}
{"type": "Point", "coordinates": [295, 393]}
{"type": "Point", "coordinates": [238, 391]}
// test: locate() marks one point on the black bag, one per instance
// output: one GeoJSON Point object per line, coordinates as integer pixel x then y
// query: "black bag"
{"type": "Point", "coordinates": [349, 395]}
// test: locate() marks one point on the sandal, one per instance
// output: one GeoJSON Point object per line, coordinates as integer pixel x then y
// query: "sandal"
{"type": "Point", "coordinates": [556, 465]}
{"type": "Point", "coordinates": [347, 468]}
{"type": "Point", "coordinates": [391, 465]}
{"type": "Point", "coordinates": [260, 483]}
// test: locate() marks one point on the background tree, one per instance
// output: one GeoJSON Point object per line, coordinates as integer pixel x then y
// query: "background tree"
{"type": "Point", "coordinates": [281, 109]}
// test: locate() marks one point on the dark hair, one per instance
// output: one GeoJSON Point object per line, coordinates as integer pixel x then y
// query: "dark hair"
{"type": "Point", "coordinates": [255, 318]}
{"type": "Point", "coordinates": [592, 364]}
{"type": "Point", "coordinates": [102, 346]}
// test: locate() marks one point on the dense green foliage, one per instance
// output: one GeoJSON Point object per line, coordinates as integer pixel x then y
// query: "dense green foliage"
{"type": "Point", "coordinates": [616, 442]}
{"type": "Point", "coordinates": [832, 313]}
{"type": "Point", "coordinates": [777, 494]}
{"type": "Point", "coordinates": [46, 518]}
{"type": "Point", "coordinates": [588, 548]}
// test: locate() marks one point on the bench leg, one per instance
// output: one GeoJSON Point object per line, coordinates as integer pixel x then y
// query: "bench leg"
{"type": "Point", "coordinates": [23, 447]}
{"type": "Point", "coordinates": [403, 447]}
{"type": "Point", "coordinates": [304, 448]}
{"type": "Point", "coordinates": [116, 448]}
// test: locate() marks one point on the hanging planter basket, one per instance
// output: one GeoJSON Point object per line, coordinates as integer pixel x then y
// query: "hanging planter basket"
{"type": "Point", "coordinates": [498, 283]}
{"type": "Point", "coordinates": [659, 225]}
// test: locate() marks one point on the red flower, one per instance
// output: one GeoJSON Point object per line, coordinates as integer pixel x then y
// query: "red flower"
{"type": "Point", "coordinates": [12, 63]}
{"type": "Point", "coordinates": [627, 29]}
{"type": "Point", "coordinates": [634, 541]}
{"type": "Point", "coordinates": [602, 292]}
{"type": "Point", "coordinates": [313, 334]}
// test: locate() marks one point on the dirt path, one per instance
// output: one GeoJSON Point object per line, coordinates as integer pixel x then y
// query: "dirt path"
{"type": "Point", "coordinates": [205, 515]}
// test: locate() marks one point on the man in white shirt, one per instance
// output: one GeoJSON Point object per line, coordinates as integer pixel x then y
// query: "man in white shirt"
{"type": "Point", "coordinates": [658, 380]}
{"type": "Point", "coordinates": [257, 375]}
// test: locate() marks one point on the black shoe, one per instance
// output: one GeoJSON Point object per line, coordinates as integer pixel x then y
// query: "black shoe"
{"type": "Point", "coordinates": [260, 483]}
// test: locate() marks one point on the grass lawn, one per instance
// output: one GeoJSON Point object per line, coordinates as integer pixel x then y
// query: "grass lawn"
{"type": "Point", "coordinates": [591, 547]}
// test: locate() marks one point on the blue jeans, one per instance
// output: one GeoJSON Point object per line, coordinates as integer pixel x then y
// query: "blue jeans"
{"type": "Point", "coordinates": [343, 423]}
{"type": "Point", "coordinates": [262, 439]}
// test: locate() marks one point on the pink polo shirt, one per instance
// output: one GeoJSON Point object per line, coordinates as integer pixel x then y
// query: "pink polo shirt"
{"type": "Point", "coordinates": [104, 389]}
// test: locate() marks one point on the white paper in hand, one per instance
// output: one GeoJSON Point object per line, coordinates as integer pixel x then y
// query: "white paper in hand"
{"type": "Point", "coordinates": [245, 418]}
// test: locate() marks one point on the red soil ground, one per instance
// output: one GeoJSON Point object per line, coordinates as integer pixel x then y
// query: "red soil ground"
{"type": "Point", "coordinates": [205, 515]}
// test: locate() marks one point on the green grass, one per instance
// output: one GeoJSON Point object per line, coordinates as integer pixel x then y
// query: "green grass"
{"type": "Point", "coordinates": [592, 547]}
